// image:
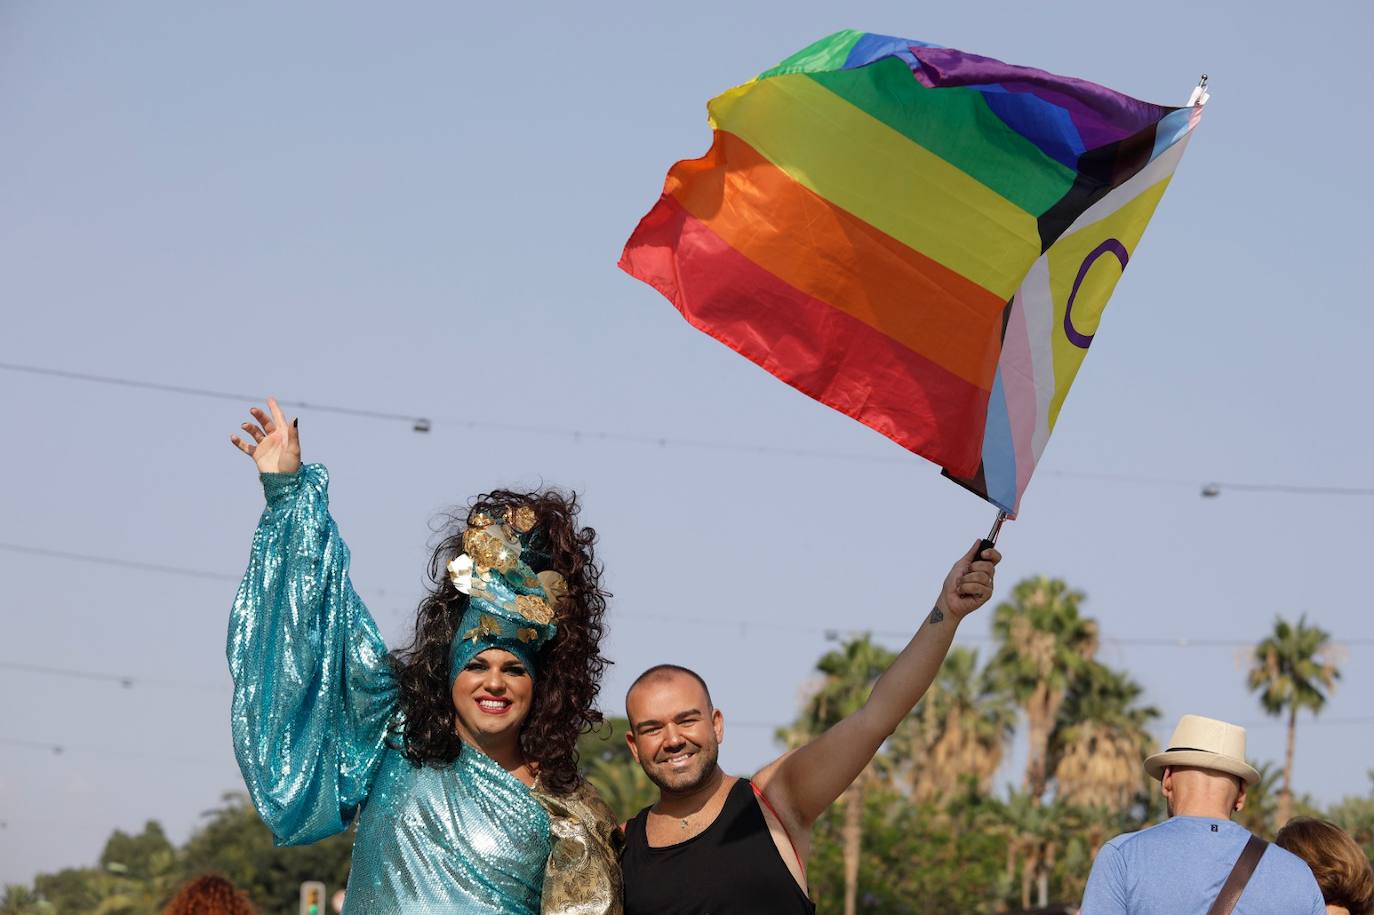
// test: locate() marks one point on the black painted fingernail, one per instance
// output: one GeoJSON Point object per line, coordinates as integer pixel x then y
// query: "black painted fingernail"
{"type": "Point", "coordinates": [296, 423]}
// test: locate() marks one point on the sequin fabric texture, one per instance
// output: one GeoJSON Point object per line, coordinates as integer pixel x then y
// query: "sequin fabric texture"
{"type": "Point", "coordinates": [313, 699]}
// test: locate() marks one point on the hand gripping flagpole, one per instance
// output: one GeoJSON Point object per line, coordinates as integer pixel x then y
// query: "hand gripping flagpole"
{"type": "Point", "coordinates": [990, 540]}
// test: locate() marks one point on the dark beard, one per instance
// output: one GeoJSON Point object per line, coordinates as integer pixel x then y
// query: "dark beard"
{"type": "Point", "coordinates": [708, 757]}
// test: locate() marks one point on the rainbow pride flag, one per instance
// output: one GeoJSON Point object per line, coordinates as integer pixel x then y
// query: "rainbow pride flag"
{"type": "Point", "coordinates": [922, 238]}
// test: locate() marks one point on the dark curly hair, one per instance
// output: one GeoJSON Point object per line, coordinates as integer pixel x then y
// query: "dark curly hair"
{"type": "Point", "coordinates": [570, 665]}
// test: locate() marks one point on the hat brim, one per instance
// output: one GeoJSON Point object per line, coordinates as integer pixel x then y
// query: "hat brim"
{"type": "Point", "coordinates": [1200, 759]}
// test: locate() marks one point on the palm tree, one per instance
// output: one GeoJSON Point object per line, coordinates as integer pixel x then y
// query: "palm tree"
{"type": "Point", "coordinates": [1037, 834]}
{"type": "Point", "coordinates": [1292, 668]}
{"type": "Point", "coordinates": [1043, 643]}
{"type": "Point", "coordinates": [849, 673]}
{"type": "Point", "coordinates": [1260, 801]}
{"type": "Point", "coordinates": [958, 732]}
{"type": "Point", "coordinates": [1099, 739]}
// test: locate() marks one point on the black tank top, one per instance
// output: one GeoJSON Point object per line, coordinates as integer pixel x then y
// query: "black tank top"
{"type": "Point", "coordinates": [731, 868]}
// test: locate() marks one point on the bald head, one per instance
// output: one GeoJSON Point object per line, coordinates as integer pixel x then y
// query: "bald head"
{"type": "Point", "coordinates": [1194, 791]}
{"type": "Point", "coordinates": [664, 674]}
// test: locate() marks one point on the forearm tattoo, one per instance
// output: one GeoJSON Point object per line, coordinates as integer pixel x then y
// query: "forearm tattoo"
{"type": "Point", "coordinates": [935, 616]}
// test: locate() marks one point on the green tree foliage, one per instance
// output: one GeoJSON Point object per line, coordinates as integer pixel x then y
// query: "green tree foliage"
{"type": "Point", "coordinates": [234, 842]}
{"type": "Point", "coordinates": [1043, 643]}
{"type": "Point", "coordinates": [916, 859]}
{"type": "Point", "coordinates": [1355, 815]}
{"type": "Point", "coordinates": [1292, 668]}
{"type": "Point", "coordinates": [140, 856]}
{"type": "Point", "coordinates": [923, 829]}
{"type": "Point", "coordinates": [139, 873]}
{"type": "Point", "coordinates": [606, 762]}
{"type": "Point", "coordinates": [20, 900]}
{"type": "Point", "coordinates": [74, 889]}
{"type": "Point", "coordinates": [1100, 736]}
{"type": "Point", "coordinates": [848, 673]}
{"type": "Point", "coordinates": [1261, 799]}
{"type": "Point", "coordinates": [958, 731]}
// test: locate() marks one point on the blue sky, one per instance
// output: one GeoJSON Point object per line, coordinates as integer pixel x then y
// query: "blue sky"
{"type": "Point", "coordinates": [419, 210]}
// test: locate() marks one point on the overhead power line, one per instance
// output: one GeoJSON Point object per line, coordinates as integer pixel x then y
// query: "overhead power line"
{"type": "Point", "coordinates": [730, 623]}
{"type": "Point", "coordinates": [121, 563]}
{"type": "Point", "coordinates": [31, 744]}
{"type": "Point", "coordinates": [60, 749]}
{"type": "Point", "coordinates": [206, 392]}
{"type": "Point", "coordinates": [128, 681]}
{"type": "Point", "coordinates": [73, 556]}
{"type": "Point", "coordinates": [423, 424]}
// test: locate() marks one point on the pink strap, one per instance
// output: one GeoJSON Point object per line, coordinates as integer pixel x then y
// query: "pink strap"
{"type": "Point", "coordinates": [764, 800]}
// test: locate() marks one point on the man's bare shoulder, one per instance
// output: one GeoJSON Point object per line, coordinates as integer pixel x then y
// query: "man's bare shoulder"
{"type": "Point", "coordinates": [763, 777]}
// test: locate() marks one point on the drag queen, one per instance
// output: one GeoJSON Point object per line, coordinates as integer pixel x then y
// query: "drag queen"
{"type": "Point", "coordinates": [455, 756]}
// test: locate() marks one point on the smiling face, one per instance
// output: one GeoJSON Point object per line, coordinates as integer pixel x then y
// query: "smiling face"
{"type": "Point", "coordinates": [492, 695]}
{"type": "Point", "coordinates": [675, 734]}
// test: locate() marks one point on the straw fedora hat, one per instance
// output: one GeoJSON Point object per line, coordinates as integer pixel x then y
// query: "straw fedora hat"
{"type": "Point", "coordinates": [1205, 743]}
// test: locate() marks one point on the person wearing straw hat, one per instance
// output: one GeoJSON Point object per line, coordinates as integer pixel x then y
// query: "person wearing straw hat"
{"type": "Point", "coordinates": [1198, 862]}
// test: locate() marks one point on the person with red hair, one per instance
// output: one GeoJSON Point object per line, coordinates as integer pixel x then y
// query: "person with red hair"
{"type": "Point", "coordinates": [209, 894]}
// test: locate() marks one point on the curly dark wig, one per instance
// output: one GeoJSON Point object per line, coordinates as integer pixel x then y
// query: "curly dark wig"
{"type": "Point", "coordinates": [570, 665]}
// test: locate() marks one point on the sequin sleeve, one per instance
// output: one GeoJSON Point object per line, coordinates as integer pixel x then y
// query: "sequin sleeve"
{"type": "Point", "coordinates": [313, 689]}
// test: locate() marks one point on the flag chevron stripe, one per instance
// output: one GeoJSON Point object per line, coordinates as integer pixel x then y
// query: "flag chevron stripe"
{"type": "Point", "coordinates": [901, 188]}
{"type": "Point", "coordinates": [759, 211]}
{"type": "Point", "coordinates": [810, 345]}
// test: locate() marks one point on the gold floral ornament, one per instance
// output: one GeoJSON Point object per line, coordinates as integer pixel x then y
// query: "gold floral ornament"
{"type": "Point", "coordinates": [555, 587]}
{"type": "Point", "coordinates": [534, 609]}
{"type": "Point", "coordinates": [527, 635]}
{"type": "Point", "coordinates": [460, 573]}
{"type": "Point", "coordinates": [486, 626]}
{"type": "Point", "coordinates": [522, 518]}
{"type": "Point", "coordinates": [491, 547]}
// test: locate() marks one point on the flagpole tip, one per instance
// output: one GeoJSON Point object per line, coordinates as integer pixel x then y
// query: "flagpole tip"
{"type": "Point", "coordinates": [1200, 94]}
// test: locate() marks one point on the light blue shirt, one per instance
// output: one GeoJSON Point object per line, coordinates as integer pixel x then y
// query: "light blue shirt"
{"type": "Point", "coordinates": [1178, 867]}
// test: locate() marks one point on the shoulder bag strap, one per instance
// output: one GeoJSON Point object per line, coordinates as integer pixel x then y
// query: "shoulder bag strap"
{"type": "Point", "coordinates": [1239, 877]}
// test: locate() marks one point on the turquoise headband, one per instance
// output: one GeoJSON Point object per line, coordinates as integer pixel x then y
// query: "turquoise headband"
{"type": "Point", "coordinates": [509, 606]}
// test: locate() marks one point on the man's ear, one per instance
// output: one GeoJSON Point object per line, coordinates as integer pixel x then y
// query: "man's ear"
{"type": "Point", "coordinates": [718, 725]}
{"type": "Point", "coordinates": [1240, 798]}
{"type": "Point", "coordinates": [1166, 782]}
{"type": "Point", "coordinates": [630, 742]}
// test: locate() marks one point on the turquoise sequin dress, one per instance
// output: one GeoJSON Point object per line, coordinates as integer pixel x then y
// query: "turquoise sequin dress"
{"type": "Point", "coordinates": [314, 696]}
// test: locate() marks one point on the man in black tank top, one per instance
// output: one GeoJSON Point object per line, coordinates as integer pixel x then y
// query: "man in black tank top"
{"type": "Point", "coordinates": [718, 845]}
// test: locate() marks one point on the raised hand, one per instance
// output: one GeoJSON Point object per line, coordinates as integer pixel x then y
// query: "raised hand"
{"type": "Point", "coordinates": [969, 584]}
{"type": "Point", "coordinates": [276, 444]}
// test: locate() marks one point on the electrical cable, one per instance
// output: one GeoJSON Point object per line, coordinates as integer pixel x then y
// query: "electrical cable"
{"type": "Point", "coordinates": [423, 424]}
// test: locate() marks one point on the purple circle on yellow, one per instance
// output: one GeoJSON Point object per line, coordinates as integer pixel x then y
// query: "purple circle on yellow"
{"type": "Point", "coordinates": [1082, 340]}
